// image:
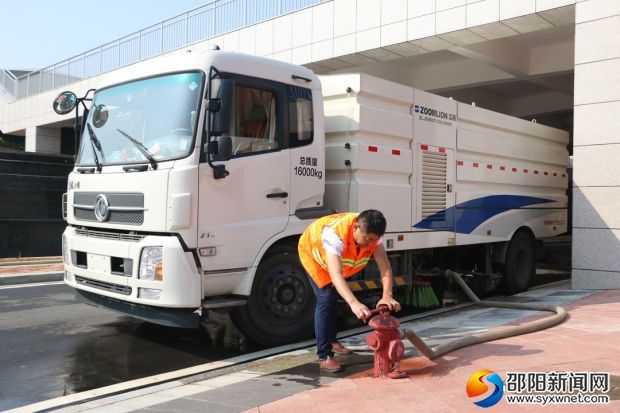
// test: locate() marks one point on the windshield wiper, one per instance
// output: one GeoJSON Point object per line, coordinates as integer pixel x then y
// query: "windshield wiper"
{"type": "Point", "coordinates": [96, 145]}
{"type": "Point", "coordinates": [143, 150]}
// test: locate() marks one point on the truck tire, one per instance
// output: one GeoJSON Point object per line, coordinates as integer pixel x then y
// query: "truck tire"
{"type": "Point", "coordinates": [520, 265]}
{"type": "Point", "coordinates": [281, 307]}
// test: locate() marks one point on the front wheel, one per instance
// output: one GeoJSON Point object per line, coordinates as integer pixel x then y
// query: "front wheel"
{"type": "Point", "coordinates": [520, 265]}
{"type": "Point", "coordinates": [280, 308]}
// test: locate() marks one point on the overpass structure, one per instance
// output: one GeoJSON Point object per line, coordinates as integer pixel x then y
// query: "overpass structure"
{"type": "Point", "coordinates": [555, 61]}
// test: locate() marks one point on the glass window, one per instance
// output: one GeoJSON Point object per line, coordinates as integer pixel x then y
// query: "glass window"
{"type": "Point", "coordinates": [254, 121]}
{"type": "Point", "coordinates": [301, 122]}
{"type": "Point", "coordinates": [159, 113]}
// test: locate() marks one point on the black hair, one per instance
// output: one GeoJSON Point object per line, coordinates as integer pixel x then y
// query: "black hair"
{"type": "Point", "coordinates": [372, 222]}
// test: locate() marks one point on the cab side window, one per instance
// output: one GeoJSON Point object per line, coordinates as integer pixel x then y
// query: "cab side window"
{"type": "Point", "coordinates": [254, 121]}
{"type": "Point", "coordinates": [300, 115]}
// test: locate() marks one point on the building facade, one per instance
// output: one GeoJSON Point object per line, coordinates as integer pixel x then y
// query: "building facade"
{"type": "Point", "coordinates": [555, 61]}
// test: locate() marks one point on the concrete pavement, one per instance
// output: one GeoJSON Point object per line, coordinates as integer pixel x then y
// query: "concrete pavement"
{"type": "Point", "coordinates": [291, 382]}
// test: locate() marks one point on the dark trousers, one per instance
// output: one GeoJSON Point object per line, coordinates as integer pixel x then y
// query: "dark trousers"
{"type": "Point", "coordinates": [325, 319]}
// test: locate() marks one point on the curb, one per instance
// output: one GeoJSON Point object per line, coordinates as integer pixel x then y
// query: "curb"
{"type": "Point", "coordinates": [17, 263]}
{"type": "Point", "coordinates": [31, 278]}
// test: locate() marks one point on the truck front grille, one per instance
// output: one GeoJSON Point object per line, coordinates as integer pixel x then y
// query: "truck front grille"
{"type": "Point", "coordinates": [109, 235]}
{"type": "Point", "coordinates": [102, 285]}
{"type": "Point", "coordinates": [124, 208]}
{"type": "Point", "coordinates": [116, 217]}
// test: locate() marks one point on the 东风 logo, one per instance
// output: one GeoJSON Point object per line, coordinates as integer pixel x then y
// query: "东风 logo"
{"type": "Point", "coordinates": [102, 211]}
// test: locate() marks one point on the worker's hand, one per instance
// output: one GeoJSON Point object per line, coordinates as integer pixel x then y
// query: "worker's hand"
{"type": "Point", "coordinates": [360, 310]}
{"type": "Point", "coordinates": [392, 304]}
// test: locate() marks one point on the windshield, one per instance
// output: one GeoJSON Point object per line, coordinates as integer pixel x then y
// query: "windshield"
{"type": "Point", "coordinates": [160, 113]}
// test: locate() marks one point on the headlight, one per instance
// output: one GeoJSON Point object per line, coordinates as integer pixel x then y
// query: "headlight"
{"type": "Point", "coordinates": [66, 256]}
{"type": "Point", "coordinates": [151, 264]}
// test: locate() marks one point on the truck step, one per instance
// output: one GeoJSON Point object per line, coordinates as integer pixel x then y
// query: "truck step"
{"type": "Point", "coordinates": [375, 283]}
{"type": "Point", "coordinates": [224, 302]}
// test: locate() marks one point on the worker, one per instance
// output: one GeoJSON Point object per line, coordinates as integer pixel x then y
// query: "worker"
{"type": "Point", "coordinates": [334, 248]}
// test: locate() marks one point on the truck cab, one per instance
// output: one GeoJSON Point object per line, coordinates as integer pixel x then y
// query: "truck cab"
{"type": "Point", "coordinates": [158, 222]}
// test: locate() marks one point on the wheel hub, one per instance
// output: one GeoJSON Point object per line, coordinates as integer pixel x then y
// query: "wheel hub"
{"type": "Point", "coordinates": [285, 293]}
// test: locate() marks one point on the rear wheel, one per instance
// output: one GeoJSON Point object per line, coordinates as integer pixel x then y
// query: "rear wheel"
{"type": "Point", "coordinates": [520, 265]}
{"type": "Point", "coordinates": [281, 307]}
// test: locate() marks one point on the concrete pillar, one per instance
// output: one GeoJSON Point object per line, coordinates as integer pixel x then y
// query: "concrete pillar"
{"type": "Point", "coordinates": [43, 139]}
{"type": "Point", "coordinates": [596, 188]}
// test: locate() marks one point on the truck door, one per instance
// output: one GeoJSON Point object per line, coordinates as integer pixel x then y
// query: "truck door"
{"type": "Point", "coordinates": [239, 213]}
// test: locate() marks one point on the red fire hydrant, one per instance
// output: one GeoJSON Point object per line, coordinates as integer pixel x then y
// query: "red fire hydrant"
{"type": "Point", "coordinates": [385, 342]}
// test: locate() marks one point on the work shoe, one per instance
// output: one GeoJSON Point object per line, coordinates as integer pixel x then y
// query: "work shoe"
{"type": "Point", "coordinates": [330, 365]}
{"type": "Point", "coordinates": [340, 349]}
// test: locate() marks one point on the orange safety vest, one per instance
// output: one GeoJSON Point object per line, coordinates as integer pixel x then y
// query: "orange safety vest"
{"type": "Point", "coordinates": [312, 252]}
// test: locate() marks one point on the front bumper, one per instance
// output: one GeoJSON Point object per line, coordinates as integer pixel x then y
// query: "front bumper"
{"type": "Point", "coordinates": [171, 317]}
{"type": "Point", "coordinates": [95, 272]}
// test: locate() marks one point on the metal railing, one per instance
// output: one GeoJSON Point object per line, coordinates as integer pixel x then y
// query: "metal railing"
{"type": "Point", "coordinates": [213, 19]}
{"type": "Point", "coordinates": [9, 83]}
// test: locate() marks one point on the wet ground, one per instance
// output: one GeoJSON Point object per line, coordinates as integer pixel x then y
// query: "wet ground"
{"type": "Point", "coordinates": [52, 345]}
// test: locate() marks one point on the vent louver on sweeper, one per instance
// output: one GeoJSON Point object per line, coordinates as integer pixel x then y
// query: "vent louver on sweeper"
{"type": "Point", "coordinates": [434, 170]}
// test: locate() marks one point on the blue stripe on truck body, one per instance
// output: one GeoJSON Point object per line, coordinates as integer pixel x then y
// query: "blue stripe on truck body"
{"type": "Point", "coordinates": [467, 216]}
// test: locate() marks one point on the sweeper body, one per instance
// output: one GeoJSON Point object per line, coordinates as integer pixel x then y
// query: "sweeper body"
{"type": "Point", "coordinates": [196, 175]}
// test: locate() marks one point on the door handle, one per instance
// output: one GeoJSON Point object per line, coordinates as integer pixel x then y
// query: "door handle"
{"type": "Point", "coordinates": [277, 195]}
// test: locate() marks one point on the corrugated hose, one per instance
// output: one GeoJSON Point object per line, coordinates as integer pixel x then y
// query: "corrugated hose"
{"type": "Point", "coordinates": [495, 334]}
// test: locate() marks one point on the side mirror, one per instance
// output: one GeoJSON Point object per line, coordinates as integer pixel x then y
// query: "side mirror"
{"type": "Point", "coordinates": [221, 108]}
{"type": "Point", "coordinates": [220, 149]}
{"type": "Point", "coordinates": [65, 103]}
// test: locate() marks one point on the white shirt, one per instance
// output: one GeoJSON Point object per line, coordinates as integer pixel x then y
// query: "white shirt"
{"type": "Point", "coordinates": [332, 242]}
